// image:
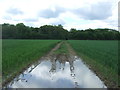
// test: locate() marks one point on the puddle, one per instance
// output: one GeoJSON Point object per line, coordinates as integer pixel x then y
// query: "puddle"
{"type": "Point", "coordinates": [57, 74]}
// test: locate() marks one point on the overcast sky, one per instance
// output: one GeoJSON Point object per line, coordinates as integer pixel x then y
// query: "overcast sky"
{"type": "Point", "coordinates": [79, 14]}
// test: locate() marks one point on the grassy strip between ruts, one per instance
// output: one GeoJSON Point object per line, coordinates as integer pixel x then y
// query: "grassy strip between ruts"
{"type": "Point", "coordinates": [101, 56]}
{"type": "Point", "coordinates": [63, 49]}
{"type": "Point", "coordinates": [17, 54]}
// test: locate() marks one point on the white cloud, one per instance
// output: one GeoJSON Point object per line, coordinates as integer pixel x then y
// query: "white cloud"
{"type": "Point", "coordinates": [79, 14]}
{"type": "Point", "coordinates": [14, 11]}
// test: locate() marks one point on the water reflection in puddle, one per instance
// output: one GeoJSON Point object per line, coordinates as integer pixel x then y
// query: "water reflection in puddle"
{"type": "Point", "coordinates": [57, 74]}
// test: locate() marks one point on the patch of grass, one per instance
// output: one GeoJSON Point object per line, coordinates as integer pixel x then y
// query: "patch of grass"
{"type": "Point", "coordinates": [102, 56]}
{"type": "Point", "coordinates": [62, 49]}
{"type": "Point", "coordinates": [17, 54]}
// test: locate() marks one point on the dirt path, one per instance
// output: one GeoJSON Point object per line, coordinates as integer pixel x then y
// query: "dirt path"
{"type": "Point", "coordinates": [54, 49]}
{"type": "Point", "coordinates": [62, 57]}
{"type": "Point", "coordinates": [71, 51]}
{"type": "Point", "coordinates": [51, 55]}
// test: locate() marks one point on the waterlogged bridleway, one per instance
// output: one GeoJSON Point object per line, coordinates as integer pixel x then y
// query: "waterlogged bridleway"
{"type": "Point", "coordinates": [57, 71]}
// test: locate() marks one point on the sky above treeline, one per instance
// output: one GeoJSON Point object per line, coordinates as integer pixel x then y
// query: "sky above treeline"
{"type": "Point", "coordinates": [79, 14]}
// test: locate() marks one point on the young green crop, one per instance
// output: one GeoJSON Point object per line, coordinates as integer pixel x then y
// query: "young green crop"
{"type": "Point", "coordinates": [102, 56]}
{"type": "Point", "coordinates": [17, 54]}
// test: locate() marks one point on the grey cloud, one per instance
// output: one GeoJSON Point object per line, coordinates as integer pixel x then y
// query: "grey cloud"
{"type": "Point", "coordinates": [30, 20]}
{"type": "Point", "coordinates": [14, 11]}
{"type": "Point", "coordinates": [99, 11]}
{"type": "Point", "coordinates": [49, 13]}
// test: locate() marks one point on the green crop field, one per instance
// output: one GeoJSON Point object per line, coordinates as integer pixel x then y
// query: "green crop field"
{"type": "Point", "coordinates": [17, 54]}
{"type": "Point", "coordinates": [101, 56]}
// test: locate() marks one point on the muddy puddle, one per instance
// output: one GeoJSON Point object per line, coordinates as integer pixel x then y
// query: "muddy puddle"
{"type": "Point", "coordinates": [57, 73]}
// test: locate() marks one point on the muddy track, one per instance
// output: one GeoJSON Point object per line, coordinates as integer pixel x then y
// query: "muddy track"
{"type": "Point", "coordinates": [62, 57]}
{"type": "Point", "coordinates": [50, 55]}
{"type": "Point", "coordinates": [54, 49]}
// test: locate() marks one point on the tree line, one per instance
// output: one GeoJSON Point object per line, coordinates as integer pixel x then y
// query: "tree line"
{"type": "Point", "coordinates": [20, 31]}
